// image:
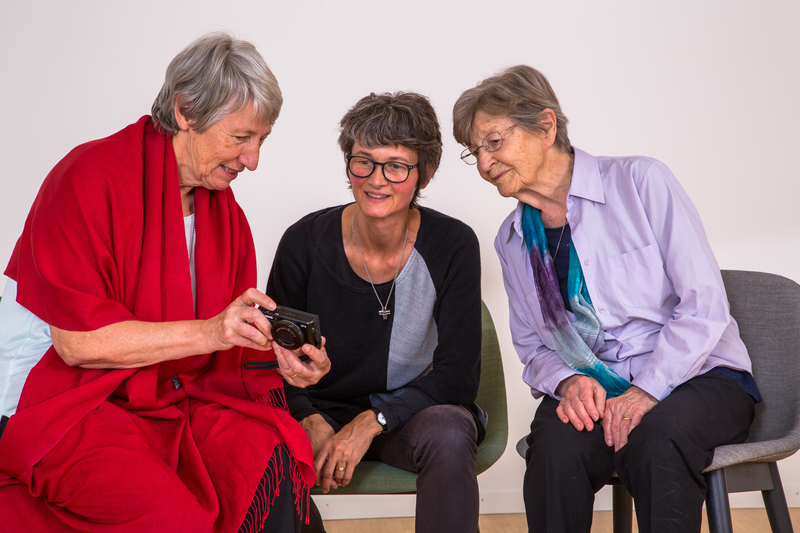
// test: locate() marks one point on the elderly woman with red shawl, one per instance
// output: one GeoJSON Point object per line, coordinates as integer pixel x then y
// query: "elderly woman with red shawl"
{"type": "Point", "coordinates": [127, 318]}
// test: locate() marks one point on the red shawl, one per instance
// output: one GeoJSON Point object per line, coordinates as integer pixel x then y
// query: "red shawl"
{"type": "Point", "coordinates": [104, 242]}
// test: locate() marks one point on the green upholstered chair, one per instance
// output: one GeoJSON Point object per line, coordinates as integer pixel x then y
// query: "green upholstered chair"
{"type": "Point", "coordinates": [374, 477]}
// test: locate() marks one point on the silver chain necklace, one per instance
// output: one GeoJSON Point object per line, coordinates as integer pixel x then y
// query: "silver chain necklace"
{"type": "Point", "coordinates": [383, 312]}
{"type": "Point", "coordinates": [559, 240]}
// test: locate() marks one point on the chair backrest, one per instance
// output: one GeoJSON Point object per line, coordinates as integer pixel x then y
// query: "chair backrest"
{"type": "Point", "coordinates": [492, 395]}
{"type": "Point", "coordinates": [767, 309]}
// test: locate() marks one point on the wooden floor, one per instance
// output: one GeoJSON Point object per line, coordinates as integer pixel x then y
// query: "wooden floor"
{"type": "Point", "coordinates": [744, 521]}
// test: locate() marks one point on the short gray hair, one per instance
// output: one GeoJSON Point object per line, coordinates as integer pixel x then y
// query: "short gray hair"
{"type": "Point", "coordinates": [520, 93]}
{"type": "Point", "coordinates": [214, 76]}
{"type": "Point", "coordinates": [389, 119]}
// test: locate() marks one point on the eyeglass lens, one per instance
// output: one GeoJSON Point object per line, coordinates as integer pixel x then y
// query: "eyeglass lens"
{"type": "Point", "coordinates": [491, 143]}
{"type": "Point", "coordinates": [392, 170]}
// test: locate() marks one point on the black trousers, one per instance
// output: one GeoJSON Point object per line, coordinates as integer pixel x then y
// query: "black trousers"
{"type": "Point", "coordinates": [440, 444]}
{"type": "Point", "coordinates": [660, 466]}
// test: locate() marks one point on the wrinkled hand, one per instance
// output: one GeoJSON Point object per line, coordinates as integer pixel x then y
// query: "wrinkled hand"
{"type": "Point", "coordinates": [339, 456]}
{"type": "Point", "coordinates": [318, 430]}
{"type": "Point", "coordinates": [302, 373]}
{"type": "Point", "coordinates": [582, 401]}
{"type": "Point", "coordinates": [624, 413]}
{"type": "Point", "coordinates": [241, 324]}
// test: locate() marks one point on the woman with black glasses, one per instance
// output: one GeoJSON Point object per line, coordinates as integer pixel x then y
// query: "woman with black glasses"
{"type": "Point", "coordinates": [397, 289]}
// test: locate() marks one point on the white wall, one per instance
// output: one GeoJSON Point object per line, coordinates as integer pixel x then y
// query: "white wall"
{"type": "Point", "coordinates": [710, 88]}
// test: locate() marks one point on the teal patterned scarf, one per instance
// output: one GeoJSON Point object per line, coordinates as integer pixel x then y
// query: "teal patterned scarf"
{"type": "Point", "coordinates": [576, 342]}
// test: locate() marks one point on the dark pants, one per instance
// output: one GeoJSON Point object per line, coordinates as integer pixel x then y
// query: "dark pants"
{"type": "Point", "coordinates": [440, 444]}
{"type": "Point", "coordinates": [660, 466]}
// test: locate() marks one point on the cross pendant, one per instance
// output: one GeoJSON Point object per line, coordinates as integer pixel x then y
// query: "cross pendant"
{"type": "Point", "coordinates": [384, 313]}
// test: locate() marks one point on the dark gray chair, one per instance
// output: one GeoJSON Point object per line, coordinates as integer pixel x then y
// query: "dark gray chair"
{"type": "Point", "coordinates": [767, 309]}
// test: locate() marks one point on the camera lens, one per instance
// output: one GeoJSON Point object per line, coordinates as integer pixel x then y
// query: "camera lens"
{"type": "Point", "coordinates": [287, 335]}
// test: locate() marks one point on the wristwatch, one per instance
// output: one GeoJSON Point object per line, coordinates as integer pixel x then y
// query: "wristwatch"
{"type": "Point", "coordinates": [381, 420]}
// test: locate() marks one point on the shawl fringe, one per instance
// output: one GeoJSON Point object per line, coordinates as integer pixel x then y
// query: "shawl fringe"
{"type": "Point", "coordinates": [269, 488]}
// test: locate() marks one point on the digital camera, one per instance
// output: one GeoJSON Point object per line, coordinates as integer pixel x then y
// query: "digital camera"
{"type": "Point", "coordinates": [292, 328]}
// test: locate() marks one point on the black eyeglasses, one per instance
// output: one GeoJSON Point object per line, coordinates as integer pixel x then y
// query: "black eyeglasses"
{"type": "Point", "coordinates": [393, 171]}
{"type": "Point", "coordinates": [491, 143]}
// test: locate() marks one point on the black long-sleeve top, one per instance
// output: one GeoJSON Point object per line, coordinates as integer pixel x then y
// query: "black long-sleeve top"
{"type": "Point", "coordinates": [428, 350]}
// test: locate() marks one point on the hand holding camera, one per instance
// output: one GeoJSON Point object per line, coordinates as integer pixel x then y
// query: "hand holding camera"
{"type": "Point", "coordinates": [291, 329]}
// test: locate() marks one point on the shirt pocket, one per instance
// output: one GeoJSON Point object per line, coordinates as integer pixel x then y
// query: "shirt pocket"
{"type": "Point", "coordinates": [640, 278]}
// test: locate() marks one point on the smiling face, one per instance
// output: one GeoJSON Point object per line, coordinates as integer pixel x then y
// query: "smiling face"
{"type": "Point", "coordinates": [516, 166]}
{"type": "Point", "coordinates": [213, 158]}
{"type": "Point", "coordinates": [376, 197]}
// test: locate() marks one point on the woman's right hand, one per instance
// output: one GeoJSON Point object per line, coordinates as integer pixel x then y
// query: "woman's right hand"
{"type": "Point", "coordinates": [582, 401]}
{"type": "Point", "coordinates": [318, 430]}
{"type": "Point", "coordinates": [242, 324]}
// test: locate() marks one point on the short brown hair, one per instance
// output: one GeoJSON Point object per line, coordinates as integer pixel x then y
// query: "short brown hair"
{"type": "Point", "coordinates": [520, 93]}
{"type": "Point", "coordinates": [390, 119]}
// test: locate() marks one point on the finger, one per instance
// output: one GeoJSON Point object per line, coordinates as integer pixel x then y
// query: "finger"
{"type": "Point", "coordinates": [600, 401]}
{"type": "Point", "coordinates": [573, 417]}
{"type": "Point", "coordinates": [338, 477]}
{"type": "Point", "coordinates": [289, 365]}
{"type": "Point", "coordinates": [253, 296]}
{"type": "Point", "coordinates": [587, 398]}
{"type": "Point", "coordinates": [562, 415]}
{"type": "Point", "coordinates": [607, 430]}
{"type": "Point", "coordinates": [348, 475]}
{"type": "Point", "coordinates": [579, 408]}
{"type": "Point", "coordinates": [319, 464]}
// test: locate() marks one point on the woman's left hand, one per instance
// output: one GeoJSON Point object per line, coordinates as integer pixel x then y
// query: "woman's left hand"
{"type": "Point", "coordinates": [624, 413]}
{"type": "Point", "coordinates": [302, 373]}
{"type": "Point", "coordinates": [339, 456]}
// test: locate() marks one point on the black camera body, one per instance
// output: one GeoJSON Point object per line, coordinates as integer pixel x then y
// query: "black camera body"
{"type": "Point", "coordinates": [292, 328]}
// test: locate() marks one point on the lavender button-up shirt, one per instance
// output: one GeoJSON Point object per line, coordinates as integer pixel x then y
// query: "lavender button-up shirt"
{"type": "Point", "coordinates": [650, 272]}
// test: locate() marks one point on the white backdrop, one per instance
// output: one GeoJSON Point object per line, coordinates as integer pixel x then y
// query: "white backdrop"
{"type": "Point", "coordinates": [710, 88]}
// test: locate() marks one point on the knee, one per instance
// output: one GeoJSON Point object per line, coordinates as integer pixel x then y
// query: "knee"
{"type": "Point", "coordinates": [448, 435]}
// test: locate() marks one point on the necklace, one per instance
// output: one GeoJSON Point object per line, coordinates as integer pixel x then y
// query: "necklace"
{"type": "Point", "coordinates": [559, 240]}
{"type": "Point", "coordinates": [383, 312]}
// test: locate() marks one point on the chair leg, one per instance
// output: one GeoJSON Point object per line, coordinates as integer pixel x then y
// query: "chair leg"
{"type": "Point", "coordinates": [717, 505]}
{"type": "Point", "coordinates": [622, 509]}
{"type": "Point", "coordinates": [775, 502]}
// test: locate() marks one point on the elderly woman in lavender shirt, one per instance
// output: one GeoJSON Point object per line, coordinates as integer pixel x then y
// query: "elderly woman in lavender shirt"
{"type": "Point", "coordinates": [617, 311]}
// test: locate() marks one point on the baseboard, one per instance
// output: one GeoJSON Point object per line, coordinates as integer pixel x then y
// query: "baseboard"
{"type": "Point", "coordinates": [335, 507]}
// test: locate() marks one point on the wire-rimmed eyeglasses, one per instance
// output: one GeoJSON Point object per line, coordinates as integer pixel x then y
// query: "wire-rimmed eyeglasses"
{"type": "Point", "coordinates": [491, 143]}
{"type": "Point", "coordinates": [393, 171]}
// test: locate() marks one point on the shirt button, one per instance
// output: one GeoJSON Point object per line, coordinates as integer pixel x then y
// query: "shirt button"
{"type": "Point", "coordinates": [587, 262]}
{"type": "Point", "coordinates": [602, 309]}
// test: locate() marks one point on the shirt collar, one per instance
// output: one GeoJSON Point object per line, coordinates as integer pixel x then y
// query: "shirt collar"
{"type": "Point", "coordinates": [586, 181]}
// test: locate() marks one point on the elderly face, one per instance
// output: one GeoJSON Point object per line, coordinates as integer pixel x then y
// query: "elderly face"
{"type": "Point", "coordinates": [376, 197]}
{"type": "Point", "coordinates": [214, 158]}
{"type": "Point", "coordinates": [518, 164]}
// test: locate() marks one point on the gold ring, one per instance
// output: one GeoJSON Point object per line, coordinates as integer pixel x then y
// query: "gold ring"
{"type": "Point", "coordinates": [341, 469]}
{"type": "Point", "coordinates": [625, 418]}
{"type": "Point", "coordinates": [293, 376]}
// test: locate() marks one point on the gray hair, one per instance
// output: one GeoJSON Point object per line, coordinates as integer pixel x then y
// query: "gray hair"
{"type": "Point", "coordinates": [214, 76]}
{"type": "Point", "coordinates": [520, 93]}
{"type": "Point", "coordinates": [390, 119]}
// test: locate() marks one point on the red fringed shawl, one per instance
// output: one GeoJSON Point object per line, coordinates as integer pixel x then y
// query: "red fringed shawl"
{"type": "Point", "coordinates": [104, 242]}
